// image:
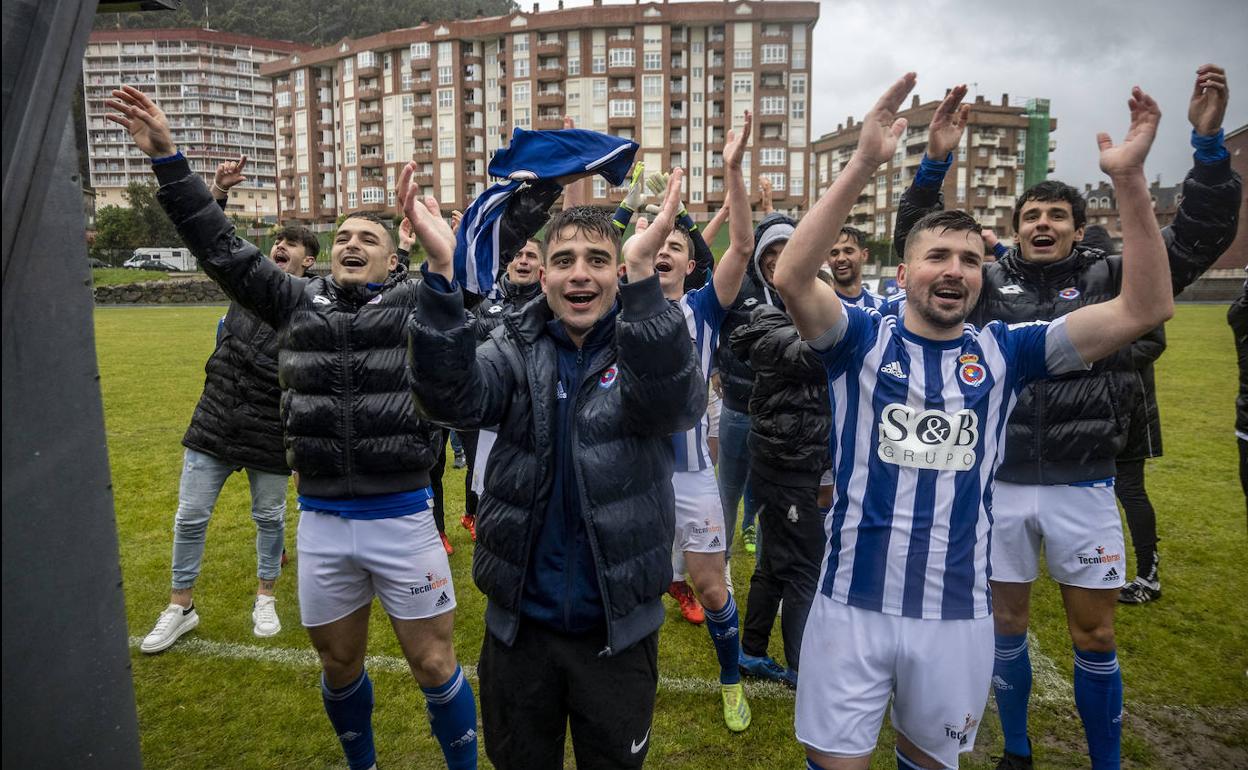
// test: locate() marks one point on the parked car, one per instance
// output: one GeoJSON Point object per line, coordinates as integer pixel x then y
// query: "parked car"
{"type": "Point", "coordinates": [150, 264]}
{"type": "Point", "coordinates": [178, 258]}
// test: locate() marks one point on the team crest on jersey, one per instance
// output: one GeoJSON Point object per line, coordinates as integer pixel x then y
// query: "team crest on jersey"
{"type": "Point", "coordinates": [930, 439]}
{"type": "Point", "coordinates": [970, 370]}
{"type": "Point", "coordinates": [608, 377]}
{"type": "Point", "coordinates": [1070, 293]}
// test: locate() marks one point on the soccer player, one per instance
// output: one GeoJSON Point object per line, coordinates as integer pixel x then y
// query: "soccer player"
{"type": "Point", "coordinates": [846, 259]}
{"type": "Point", "coordinates": [352, 434]}
{"type": "Point", "coordinates": [1055, 483]}
{"type": "Point", "coordinates": [700, 531]}
{"type": "Point", "coordinates": [574, 530]}
{"type": "Point", "coordinates": [920, 403]}
{"type": "Point", "coordinates": [235, 427]}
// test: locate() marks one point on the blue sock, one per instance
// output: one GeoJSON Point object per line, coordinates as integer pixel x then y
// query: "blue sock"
{"type": "Point", "coordinates": [1011, 681]}
{"type": "Point", "coordinates": [905, 763]}
{"type": "Point", "coordinates": [350, 711]}
{"type": "Point", "coordinates": [1098, 696]}
{"type": "Point", "coordinates": [724, 627]}
{"type": "Point", "coordinates": [453, 717]}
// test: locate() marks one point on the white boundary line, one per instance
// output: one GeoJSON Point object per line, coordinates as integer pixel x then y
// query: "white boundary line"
{"type": "Point", "coordinates": [307, 659]}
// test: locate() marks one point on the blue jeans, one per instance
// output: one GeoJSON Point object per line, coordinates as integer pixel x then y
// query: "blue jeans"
{"type": "Point", "coordinates": [734, 470]}
{"type": "Point", "coordinates": [202, 478]}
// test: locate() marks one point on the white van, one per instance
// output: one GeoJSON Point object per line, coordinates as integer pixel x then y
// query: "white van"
{"type": "Point", "coordinates": [177, 258]}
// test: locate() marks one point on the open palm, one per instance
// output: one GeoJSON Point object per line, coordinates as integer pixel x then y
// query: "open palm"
{"type": "Point", "coordinates": [881, 128]}
{"type": "Point", "coordinates": [1129, 156]}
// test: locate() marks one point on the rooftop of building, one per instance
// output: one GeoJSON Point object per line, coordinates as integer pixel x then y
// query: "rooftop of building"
{"type": "Point", "coordinates": [197, 34]}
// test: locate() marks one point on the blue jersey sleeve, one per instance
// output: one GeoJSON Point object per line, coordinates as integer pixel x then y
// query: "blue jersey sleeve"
{"type": "Point", "coordinates": [860, 332]}
{"type": "Point", "coordinates": [1024, 348]}
{"type": "Point", "coordinates": [706, 308]}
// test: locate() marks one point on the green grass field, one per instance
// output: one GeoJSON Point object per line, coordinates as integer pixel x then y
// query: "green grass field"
{"type": "Point", "coordinates": [222, 698]}
{"type": "Point", "coordinates": [116, 276]}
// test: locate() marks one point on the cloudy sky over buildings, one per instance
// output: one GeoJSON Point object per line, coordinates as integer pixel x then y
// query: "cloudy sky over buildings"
{"type": "Point", "coordinates": [1083, 55]}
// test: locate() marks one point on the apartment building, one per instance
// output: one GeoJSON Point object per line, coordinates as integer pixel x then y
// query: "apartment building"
{"type": "Point", "coordinates": [1004, 150]}
{"type": "Point", "coordinates": [673, 77]}
{"type": "Point", "coordinates": [209, 84]}
{"type": "Point", "coordinates": [1102, 206]}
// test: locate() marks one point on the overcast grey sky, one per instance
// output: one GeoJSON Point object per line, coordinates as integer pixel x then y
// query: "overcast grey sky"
{"type": "Point", "coordinates": [1083, 55]}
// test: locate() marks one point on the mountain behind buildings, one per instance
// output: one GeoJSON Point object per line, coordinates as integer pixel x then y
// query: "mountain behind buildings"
{"type": "Point", "coordinates": [316, 22]}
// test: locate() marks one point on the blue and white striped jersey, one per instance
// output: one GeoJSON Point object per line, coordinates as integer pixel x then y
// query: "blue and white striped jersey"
{"type": "Point", "coordinates": [917, 435]}
{"type": "Point", "coordinates": [704, 316]}
{"type": "Point", "coordinates": [865, 298]}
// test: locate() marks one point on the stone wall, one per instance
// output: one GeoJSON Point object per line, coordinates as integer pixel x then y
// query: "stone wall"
{"type": "Point", "coordinates": [171, 292]}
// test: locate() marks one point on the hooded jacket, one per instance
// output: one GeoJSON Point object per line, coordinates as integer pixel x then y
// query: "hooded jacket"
{"type": "Point", "coordinates": [736, 377]}
{"type": "Point", "coordinates": [348, 419]}
{"type": "Point", "coordinates": [636, 390]}
{"type": "Point", "coordinates": [1071, 428]}
{"type": "Point", "coordinates": [790, 413]}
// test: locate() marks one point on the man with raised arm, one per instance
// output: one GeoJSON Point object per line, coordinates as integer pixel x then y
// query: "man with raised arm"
{"type": "Point", "coordinates": [1055, 483]}
{"type": "Point", "coordinates": [352, 434]}
{"type": "Point", "coordinates": [700, 532]}
{"type": "Point", "coordinates": [575, 526]}
{"type": "Point", "coordinates": [920, 403]}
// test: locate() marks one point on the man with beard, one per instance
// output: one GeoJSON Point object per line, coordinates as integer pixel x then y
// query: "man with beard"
{"type": "Point", "coordinates": [920, 403]}
{"type": "Point", "coordinates": [846, 259]}
{"type": "Point", "coordinates": [1056, 482]}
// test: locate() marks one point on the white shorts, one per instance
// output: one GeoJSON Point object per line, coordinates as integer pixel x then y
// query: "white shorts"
{"type": "Point", "coordinates": [343, 563]}
{"type": "Point", "coordinates": [485, 442]}
{"type": "Point", "coordinates": [1078, 526]}
{"type": "Point", "coordinates": [713, 406]}
{"type": "Point", "coordinates": [699, 516]}
{"type": "Point", "coordinates": [828, 478]}
{"type": "Point", "coordinates": [938, 673]}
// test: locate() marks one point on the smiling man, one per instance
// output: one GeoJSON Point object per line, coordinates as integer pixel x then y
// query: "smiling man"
{"type": "Point", "coordinates": [1055, 485]}
{"type": "Point", "coordinates": [352, 434]}
{"type": "Point", "coordinates": [920, 403]}
{"type": "Point", "coordinates": [574, 530]}
{"type": "Point", "coordinates": [845, 259]}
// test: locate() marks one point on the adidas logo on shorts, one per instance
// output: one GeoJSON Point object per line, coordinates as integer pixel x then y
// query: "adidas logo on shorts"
{"type": "Point", "coordinates": [1110, 576]}
{"type": "Point", "coordinates": [715, 542]}
{"type": "Point", "coordinates": [442, 600]}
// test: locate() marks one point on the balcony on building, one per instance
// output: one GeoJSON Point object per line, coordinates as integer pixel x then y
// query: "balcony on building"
{"type": "Point", "coordinates": [370, 160]}
{"type": "Point", "coordinates": [716, 60]}
{"type": "Point", "coordinates": [549, 70]}
{"type": "Point", "coordinates": [549, 120]}
{"type": "Point", "coordinates": [678, 137]}
{"type": "Point", "coordinates": [773, 82]}
{"type": "Point", "coordinates": [549, 45]}
{"type": "Point", "coordinates": [678, 63]}
{"type": "Point", "coordinates": [422, 107]}
{"type": "Point", "coordinates": [369, 138]}
{"type": "Point", "coordinates": [370, 115]}
{"type": "Point", "coordinates": [286, 128]}
{"type": "Point", "coordinates": [677, 113]}
{"type": "Point", "coordinates": [422, 131]}
{"type": "Point", "coordinates": [368, 91]}
{"type": "Point", "coordinates": [549, 96]}
{"type": "Point", "coordinates": [367, 65]}
{"type": "Point", "coordinates": [621, 121]}
{"type": "Point", "coordinates": [423, 150]}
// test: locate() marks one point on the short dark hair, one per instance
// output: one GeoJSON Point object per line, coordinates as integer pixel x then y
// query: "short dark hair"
{"type": "Point", "coordinates": [857, 235]}
{"type": "Point", "coordinates": [1050, 191]}
{"type": "Point", "coordinates": [942, 222]}
{"type": "Point", "coordinates": [684, 231]}
{"type": "Point", "coordinates": [386, 223]}
{"type": "Point", "coordinates": [301, 235]}
{"type": "Point", "coordinates": [587, 220]}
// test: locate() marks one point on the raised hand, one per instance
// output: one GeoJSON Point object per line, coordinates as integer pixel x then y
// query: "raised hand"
{"type": "Point", "coordinates": [636, 196]}
{"type": "Point", "coordinates": [406, 236]}
{"type": "Point", "coordinates": [734, 148]}
{"type": "Point", "coordinates": [1209, 98]}
{"type": "Point", "coordinates": [147, 124]}
{"type": "Point", "coordinates": [948, 124]}
{"type": "Point", "coordinates": [640, 250]}
{"type": "Point", "coordinates": [457, 216]}
{"type": "Point", "coordinates": [764, 195]}
{"type": "Point", "coordinates": [658, 184]}
{"type": "Point", "coordinates": [881, 128]}
{"type": "Point", "coordinates": [1128, 157]}
{"type": "Point", "coordinates": [229, 173]}
{"type": "Point", "coordinates": [427, 225]}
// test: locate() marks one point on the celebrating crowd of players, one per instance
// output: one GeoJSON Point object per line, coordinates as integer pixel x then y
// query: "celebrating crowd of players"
{"type": "Point", "coordinates": [901, 460]}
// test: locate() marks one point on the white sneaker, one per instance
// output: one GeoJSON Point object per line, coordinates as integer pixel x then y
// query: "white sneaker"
{"type": "Point", "coordinates": [264, 615]}
{"type": "Point", "coordinates": [172, 623]}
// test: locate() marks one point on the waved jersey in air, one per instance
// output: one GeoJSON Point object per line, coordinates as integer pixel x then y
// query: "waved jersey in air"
{"type": "Point", "coordinates": [917, 430]}
{"type": "Point", "coordinates": [704, 316]}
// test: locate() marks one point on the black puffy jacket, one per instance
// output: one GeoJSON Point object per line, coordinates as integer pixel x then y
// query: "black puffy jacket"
{"type": "Point", "coordinates": [641, 388]}
{"type": "Point", "coordinates": [790, 414]}
{"type": "Point", "coordinates": [347, 414]}
{"type": "Point", "coordinates": [1144, 421]}
{"type": "Point", "coordinates": [735, 375]}
{"type": "Point", "coordinates": [1237, 317]}
{"type": "Point", "coordinates": [489, 313]}
{"type": "Point", "coordinates": [236, 419]}
{"type": "Point", "coordinates": [1071, 428]}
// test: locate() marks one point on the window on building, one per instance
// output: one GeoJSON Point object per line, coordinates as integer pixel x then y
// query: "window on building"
{"type": "Point", "coordinates": [522, 68]}
{"type": "Point", "coordinates": [896, 197]}
{"type": "Point", "coordinates": [798, 85]}
{"type": "Point", "coordinates": [520, 93]}
{"type": "Point", "coordinates": [600, 88]}
{"type": "Point", "coordinates": [370, 195]}
{"type": "Point", "coordinates": [446, 74]}
{"type": "Point", "coordinates": [742, 58]}
{"type": "Point", "coordinates": [420, 50]}
{"type": "Point", "coordinates": [742, 84]}
{"type": "Point", "coordinates": [351, 199]}
{"type": "Point", "coordinates": [365, 59]}
{"type": "Point", "coordinates": [798, 111]}
{"type": "Point", "coordinates": [521, 118]}
{"type": "Point", "coordinates": [408, 80]}
{"type": "Point", "coordinates": [653, 60]}
{"type": "Point", "coordinates": [697, 195]}
{"type": "Point", "coordinates": [600, 187]}
{"type": "Point", "coordinates": [283, 99]}
{"type": "Point", "coordinates": [774, 53]}
{"type": "Point", "coordinates": [622, 108]}
{"type": "Point", "coordinates": [652, 113]}
{"type": "Point", "coordinates": [408, 102]}
{"type": "Point", "coordinates": [799, 59]}
{"type": "Point", "coordinates": [520, 43]}
{"type": "Point", "coordinates": [652, 85]}
{"type": "Point", "coordinates": [446, 98]}
{"type": "Point", "coordinates": [623, 57]}
{"type": "Point", "coordinates": [574, 66]}
{"type": "Point", "coordinates": [772, 105]}
{"type": "Point", "coordinates": [598, 65]}
{"type": "Point", "coordinates": [771, 156]}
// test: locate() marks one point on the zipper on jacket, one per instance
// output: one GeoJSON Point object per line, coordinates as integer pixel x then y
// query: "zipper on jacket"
{"type": "Point", "coordinates": [347, 390]}
{"type": "Point", "coordinates": [589, 529]}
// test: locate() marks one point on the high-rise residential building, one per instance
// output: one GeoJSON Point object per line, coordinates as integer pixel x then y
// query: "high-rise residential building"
{"type": "Point", "coordinates": [673, 77]}
{"type": "Point", "coordinates": [208, 84]}
{"type": "Point", "coordinates": [991, 166]}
